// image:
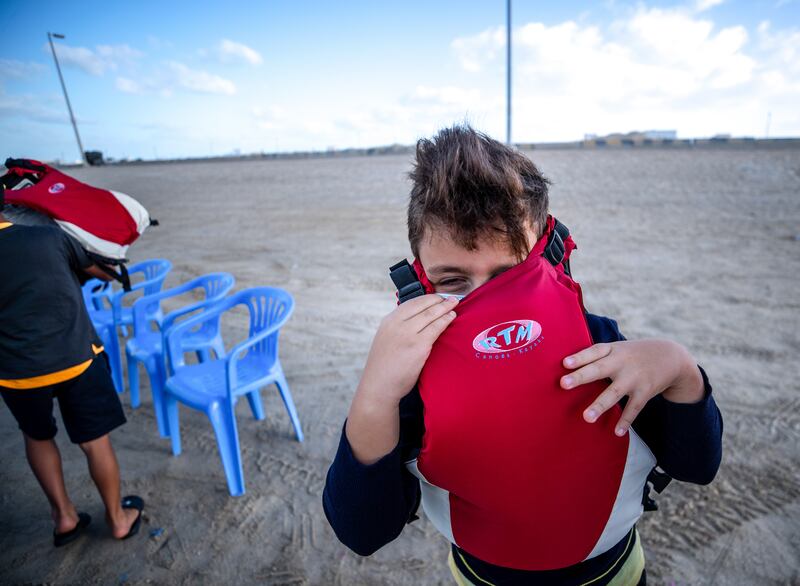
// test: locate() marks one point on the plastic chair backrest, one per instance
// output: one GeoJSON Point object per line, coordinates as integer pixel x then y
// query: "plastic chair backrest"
{"type": "Point", "coordinates": [94, 292]}
{"type": "Point", "coordinates": [155, 272]}
{"type": "Point", "coordinates": [216, 286]}
{"type": "Point", "coordinates": [269, 308]}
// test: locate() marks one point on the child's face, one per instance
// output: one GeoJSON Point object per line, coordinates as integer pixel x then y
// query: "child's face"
{"type": "Point", "coordinates": [456, 270]}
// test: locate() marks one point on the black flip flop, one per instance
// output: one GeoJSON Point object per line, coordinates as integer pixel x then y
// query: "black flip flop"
{"type": "Point", "coordinates": [60, 539]}
{"type": "Point", "coordinates": [133, 502]}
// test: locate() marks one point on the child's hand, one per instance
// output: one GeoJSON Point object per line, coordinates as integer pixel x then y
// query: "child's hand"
{"type": "Point", "coordinates": [639, 369]}
{"type": "Point", "coordinates": [403, 343]}
{"type": "Point", "coordinates": [399, 350]}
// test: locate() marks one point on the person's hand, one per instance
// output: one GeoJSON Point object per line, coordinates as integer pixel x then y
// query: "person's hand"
{"type": "Point", "coordinates": [403, 343]}
{"type": "Point", "coordinates": [96, 271]}
{"type": "Point", "coordinates": [399, 350]}
{"type": "Point", "coordinates": [639, 369]}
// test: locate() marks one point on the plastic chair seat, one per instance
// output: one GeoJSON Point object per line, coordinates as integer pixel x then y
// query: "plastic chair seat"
{"type": "Point", "coordinates": [144, 347]}
{"type": "Point", "coordinates": [200, 385]}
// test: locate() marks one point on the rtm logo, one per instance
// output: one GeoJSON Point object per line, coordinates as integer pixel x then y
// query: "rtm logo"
{"type": "Point", "coordinates": [507, 336]}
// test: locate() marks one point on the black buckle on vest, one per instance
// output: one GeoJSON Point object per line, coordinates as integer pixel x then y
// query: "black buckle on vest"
{"type": "Point", "coordinates": [406, 280]}
{"type": "Point", "coordinates": [658, 481]}
{"type": "Point", "coordinates": [555, 250]}
{"type": "Point", "coordinates": [23, 164]}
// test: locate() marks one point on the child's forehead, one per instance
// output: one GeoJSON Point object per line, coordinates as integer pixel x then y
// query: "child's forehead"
{"type": "Point", "coordinates": [439, 253]}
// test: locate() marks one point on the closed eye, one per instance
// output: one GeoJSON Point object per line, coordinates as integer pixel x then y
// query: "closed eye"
{"type": "Point", "coordinates": [451, 282]}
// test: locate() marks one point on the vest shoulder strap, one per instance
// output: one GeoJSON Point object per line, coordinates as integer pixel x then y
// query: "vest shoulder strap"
{"type": "Point", "coordinates": [657, 480]}
{"type": "Point", "coordinates": [406, 280]}
{"type": "Point", "coordinates": [556, 251]}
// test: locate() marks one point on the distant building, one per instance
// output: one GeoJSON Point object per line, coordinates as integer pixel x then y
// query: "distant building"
{"type": "Point", "coordinates": [94, 158]}
{"type": "Point", "coordinates": [661, 134]}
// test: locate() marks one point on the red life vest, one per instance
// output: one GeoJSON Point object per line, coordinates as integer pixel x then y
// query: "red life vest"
{"type": "Point", "coordinates": [105, 222]}
{"type": "Point", "coordinates": [510, 471]}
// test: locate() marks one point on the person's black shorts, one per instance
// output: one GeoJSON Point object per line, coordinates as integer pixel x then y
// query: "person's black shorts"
{"type": "Point", "coordinates": [89, 406]}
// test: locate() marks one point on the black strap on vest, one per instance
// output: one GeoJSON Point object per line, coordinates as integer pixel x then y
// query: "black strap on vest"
{"type": "Point", "coordinates": [406, 281]}
{"type": "Point", "coordinates": [105, 264]}
{"type": "Point", "coordinates": [555, 250]}
{"type": "Point", "coordinates": [657, 480]}
{"type": "Point", "coordinates": [24, 164]}
{"type": "Point", "coordinates": [409, 286]}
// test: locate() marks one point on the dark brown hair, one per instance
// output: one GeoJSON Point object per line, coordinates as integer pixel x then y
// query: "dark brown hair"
{"type": "Point", "coordinates": [471, 186]}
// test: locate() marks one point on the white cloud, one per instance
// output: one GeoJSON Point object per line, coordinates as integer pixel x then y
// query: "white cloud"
{"type": "Point", "coordinates": [28, 107]}
{"type": "Point", "coordinates": [128, 86]}
{"type": "Point", "coordinates": [82, 58]}
{"type": "Point", "coordinates": [473, 52]}
{"type": "Point", "coordinates": [11, 68]}
{"type": "Point", "coordinates": [656, 67]}
{"type": "Point", "coordinates": [97, 62]}
{"type": "Point", "coordinates": [200, 81]}
{"type": "Point", "coordinates": [269, 117]}
{"type": "Point", "coordinates": [703, 5]}
{"type": "Point", "coordinates": [448, 95]}
{"type": "Point", "coordinates": [231, 50]}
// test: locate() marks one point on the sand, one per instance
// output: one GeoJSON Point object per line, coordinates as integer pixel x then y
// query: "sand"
{"type": "Point", "coordinates": [701, 246]}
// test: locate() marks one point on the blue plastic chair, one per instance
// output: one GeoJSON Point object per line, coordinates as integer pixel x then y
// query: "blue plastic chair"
{"type": "Point", "coordinates": [146, 345]}
{"type": "Point", "coordinates": [94, 291]}
{"type": "Point", "coordinates": [108, 306]}
{"type": "Point", "coordinates": [215, 385]}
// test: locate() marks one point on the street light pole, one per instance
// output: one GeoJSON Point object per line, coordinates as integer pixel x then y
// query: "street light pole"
{"type": "Point", "coordinates": [508, 72]}
{"type": "Point", "coordinates": [66, 97]}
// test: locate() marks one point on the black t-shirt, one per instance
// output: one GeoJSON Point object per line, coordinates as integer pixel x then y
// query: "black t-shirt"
{"type": "Point", "coordinates": [44, 325]}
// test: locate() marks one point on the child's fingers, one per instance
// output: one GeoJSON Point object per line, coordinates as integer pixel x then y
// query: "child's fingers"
{"type": "Point", "coordinates": [588, 355]}
{"type": "Point", "coordinates": [632, 409]}
{"type": "Point", "coordinates": [413, 307]}
{"type": "Point", "coordinates": [598, 370]}
{"type": "Point", "coordinates": [420, 321]}
{"type": "Point", "coordinates": [607, 399]}
{"type": "Point", "coordinates": [435, 328]}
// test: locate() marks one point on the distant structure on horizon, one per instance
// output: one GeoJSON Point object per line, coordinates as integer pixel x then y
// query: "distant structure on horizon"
{"type": "Point", "coordinates": [634, 138]}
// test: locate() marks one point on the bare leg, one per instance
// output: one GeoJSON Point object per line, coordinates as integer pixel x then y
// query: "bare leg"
{"type": "Point", "coordinates": [45, 461]}
{"type": "Point", "coordinates": [104, 469]}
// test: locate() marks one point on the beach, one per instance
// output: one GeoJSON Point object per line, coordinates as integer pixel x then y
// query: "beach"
{"type": "Point", "coordinates": [701, 246]}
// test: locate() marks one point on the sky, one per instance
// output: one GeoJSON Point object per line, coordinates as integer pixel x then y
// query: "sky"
{"type": "Point", "coordinates": [185, 79]}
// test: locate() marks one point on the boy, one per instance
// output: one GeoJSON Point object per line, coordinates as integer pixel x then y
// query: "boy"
{"type": "Point", "coordinates": [49, 349]}
{"type": "Point", "coordinates": [478, 209]}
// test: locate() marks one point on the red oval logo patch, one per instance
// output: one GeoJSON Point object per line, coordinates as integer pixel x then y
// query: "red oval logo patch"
{"type": "Point", "coordinates": [507, 336]}
{"type": "Point", "coordinates": [56, 188]}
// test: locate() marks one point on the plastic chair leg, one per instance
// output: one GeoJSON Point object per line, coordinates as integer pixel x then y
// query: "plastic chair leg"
{"type": "Point", "coordinates": [112, 349]}
{"type": "Point", "coordinates": [254, 398]}
{"type": "Point", "coordinates": [218, 346]}
{"type": "Point", "coordinates": [286, 395]}
{"type": "Point", "coordinates": [171, 409]}
{"type": "Point", "coordinates": [155, 368]}
{"type": "Point", "coordinates": [223, 421]}
{"type": "Point", "coordinates": [133, 379]}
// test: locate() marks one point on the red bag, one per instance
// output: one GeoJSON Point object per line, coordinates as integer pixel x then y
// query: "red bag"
{"type": "Point", "coordinates": [104, 222]}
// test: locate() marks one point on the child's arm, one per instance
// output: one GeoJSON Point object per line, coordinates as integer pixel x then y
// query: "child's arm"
{"type": "Point", "coordinates": [368, 505]}
{"type": "Point", "coordinates": [668, 399]}
{"type": "Point", "coordinates": [369, 494]}
{"type": "Point", "coordinates": [399, 350]}
{"type": "Point", "coordinates": [638, 369]}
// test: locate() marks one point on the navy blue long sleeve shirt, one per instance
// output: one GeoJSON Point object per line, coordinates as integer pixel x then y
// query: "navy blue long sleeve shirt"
{"type": "Point", "coordinates": [368, 505]}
